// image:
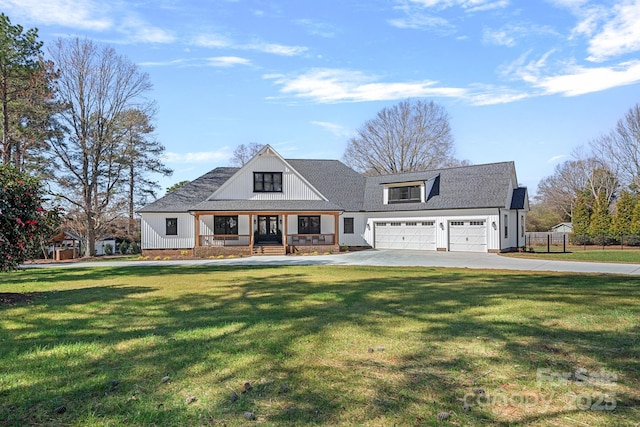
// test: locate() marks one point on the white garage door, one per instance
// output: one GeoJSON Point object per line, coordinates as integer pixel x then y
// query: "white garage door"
{"type": "Point", "coordinates": [468, 236]}
{"type": "Point", "coordinates": [419, 235]}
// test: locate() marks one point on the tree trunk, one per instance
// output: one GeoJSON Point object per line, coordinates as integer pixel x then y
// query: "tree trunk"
{"type": "Point", "coordinates": [6, 144]}
{"type": "Point", "coordinates": [131, 227]}
{"type": "Point", "coordinates": [90, 247]}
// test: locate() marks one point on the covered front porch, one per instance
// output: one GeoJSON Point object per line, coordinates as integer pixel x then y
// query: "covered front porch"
{"type": "Point", "coordinates": [265, 233]}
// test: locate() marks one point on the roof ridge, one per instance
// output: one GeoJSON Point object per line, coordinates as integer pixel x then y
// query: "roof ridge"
{"type": "Point", "coordinates": [448, 168]}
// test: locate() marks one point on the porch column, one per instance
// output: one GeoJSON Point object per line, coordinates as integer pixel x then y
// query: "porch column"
{"type": "Point", "coordinates": [285, 240]}
{"type": "Point", "coordinates": [336, 229]}
{"type": "Point", "coordinates": [197, 245]}
{"type": "Point", "coordinates": [251, 230]}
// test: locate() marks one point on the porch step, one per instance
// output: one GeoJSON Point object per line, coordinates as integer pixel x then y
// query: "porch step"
{"type": "Point", "coordinates": [272, 250]}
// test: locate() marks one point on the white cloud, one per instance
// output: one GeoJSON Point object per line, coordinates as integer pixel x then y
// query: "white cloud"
{"type": "Point", "coordinates": [501, 37]}
{"type": "Point", "coordinates": [468, 5]}
{"type": "Point", "coordinates": [582, 80]}
{"type": "Point", "coordinates": [197, 157]}
{"type": "Point", "coordinates": [88, 15]}
{"type": "Point", "coordinates": [420, 21]}
{"type": "Point", "coordinates": [336, 86]}
{"type": "Point", "coordinates": [492, 95]}
{"type": "Point", "coordinates": [163, 63]}
{"type": "Point", "coordinates": [569, 78]}
{"type": "Point", "coordinates": [82, 14]}
{"type": "Point", "coordinates": [216, 61]}
{"type": "Point", "coordinates": [610, 31]}
{"type": "Point", "coordinates": [227, 61]}
{"type": "Point", "coordinates": [557, 158]}
{"type": "Point", "coordinates": [274, 48]}
{"type": "Point", "coordinates": [317, 28]}
{"type": "Point", "coordinates": [212, 40]}
{"type": "Point", "coordinates": [619, 35]}
{"type": "Point", "coordinates": [225, 42]}
{"type": "Point", "coordinates": [141, 32]}
{"type": "Point", "coordinates": [417, 18]}
{"type": "Point", "coordinates": [334, 128]}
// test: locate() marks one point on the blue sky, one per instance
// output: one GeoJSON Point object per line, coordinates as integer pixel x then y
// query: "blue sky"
{"type": "Point", "coordinates": [527, 81]}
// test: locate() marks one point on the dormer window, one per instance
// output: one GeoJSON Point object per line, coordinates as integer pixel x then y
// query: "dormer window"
{"type": "Point", "coordinates": [267, 182]}
{"type": "Point", "coordinates": [405, 194]}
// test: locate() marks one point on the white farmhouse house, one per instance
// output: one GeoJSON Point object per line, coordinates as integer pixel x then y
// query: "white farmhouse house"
{"type": "Point", "coordinates": [276, 206]}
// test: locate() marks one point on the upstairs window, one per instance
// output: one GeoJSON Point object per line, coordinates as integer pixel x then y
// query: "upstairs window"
{"type": "Point", "coordinates": [407, 194]}
{"type": "Point", "coordinates": [171, 226]}
{"type": "Point", "coordinates": [267, 182]}
{"type": "Point", "coordinates": [225, 225]}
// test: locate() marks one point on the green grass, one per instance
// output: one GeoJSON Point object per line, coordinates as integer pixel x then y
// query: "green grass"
{"type": "Point", "coordinates": [577, 253]}
{"type": "Point", "coordinates": [435, 335]}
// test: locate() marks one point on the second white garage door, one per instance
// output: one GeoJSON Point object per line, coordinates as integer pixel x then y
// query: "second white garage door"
{"type": "Point", "coordinates": [468, 236]}
{"type": "Point", "coordinates": [419, 235]}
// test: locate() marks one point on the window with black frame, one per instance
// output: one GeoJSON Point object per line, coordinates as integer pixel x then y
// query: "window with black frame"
{"type": "Point", "coordinates": [406, 194]}
{"type": "Point", "coordinates": [267, 182]}
{"type": "Point", "coordinates": [225, 224]}
{"type": "Point", "coordinates": [308, 225]}
{"type": "Point", "coordinates": [171, 226]}
{"type": "Point", "coordinates": [348, 225]}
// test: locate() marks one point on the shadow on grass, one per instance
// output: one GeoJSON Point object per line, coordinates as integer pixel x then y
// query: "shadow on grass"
{"type": "Point", "coordinates": [278, 326]}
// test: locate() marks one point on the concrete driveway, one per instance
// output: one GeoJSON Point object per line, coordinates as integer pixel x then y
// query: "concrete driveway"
{"type": "Point", "coordinates": [402, 258]}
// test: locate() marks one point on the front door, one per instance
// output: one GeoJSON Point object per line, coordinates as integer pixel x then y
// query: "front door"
{"type": "Point", "coordinates": [268, 229]}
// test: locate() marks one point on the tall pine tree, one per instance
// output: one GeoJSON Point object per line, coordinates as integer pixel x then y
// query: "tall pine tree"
{"type": "Point", "coordinates": [600, 222]}
{"type": "Point", "coordinates": [25, 93]}
{"type": "Point", "coordinates": [580, 219]}
{"type": "Point", "coordinates": [621, 222]}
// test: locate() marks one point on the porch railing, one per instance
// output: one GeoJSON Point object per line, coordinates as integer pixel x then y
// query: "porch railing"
{"type": "Point", "coordinates": [310, 239]}
{"type": "Point", "coordinates": [245, 239]}
{"type": "Point", "coordinates": [225, 240]}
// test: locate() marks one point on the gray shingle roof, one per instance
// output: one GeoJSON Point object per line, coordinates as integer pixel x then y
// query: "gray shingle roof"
{"type": "Point", "coordinates": [336, 181]}
{"type": "Point", "coordinates": [475, 186]}
{"type": "Point", "coordinates": [189, 195]}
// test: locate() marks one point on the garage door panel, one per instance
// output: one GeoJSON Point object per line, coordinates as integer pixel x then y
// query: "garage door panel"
{"type": "Point", "coordinates": [405, 235]}
{"type": "Point", "coordinates": [467, 236]}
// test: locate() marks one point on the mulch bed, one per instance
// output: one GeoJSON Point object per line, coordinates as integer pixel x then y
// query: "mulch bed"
{"type": "Point", "coordinates": [12, 298]}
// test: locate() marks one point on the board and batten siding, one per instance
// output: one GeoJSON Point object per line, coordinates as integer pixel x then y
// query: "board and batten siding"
{"type": "Point", "coordinates": [153, 229]}
{"type": "Point", "coordinates": [240, 186]}
{"type": "Point", "coordinates": [359, 229]}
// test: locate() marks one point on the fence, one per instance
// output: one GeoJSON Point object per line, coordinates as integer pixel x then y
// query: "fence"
{"type": "Point", "coordinates": [561, 242]}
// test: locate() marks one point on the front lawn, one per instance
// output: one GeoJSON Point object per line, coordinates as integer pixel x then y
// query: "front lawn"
{"type": "Point", "coordinates": [578, 253]}
{"type": "Point", "coordinates": [174, 346]}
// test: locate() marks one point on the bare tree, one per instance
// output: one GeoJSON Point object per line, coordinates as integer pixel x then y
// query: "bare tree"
{"type": "Point", "coordinates": [243, 153]}
{"type": "Point", "coordinates": [577, 176]}
{"type": "Point", "coordinates": [96, 86]}
{"type": "Point", "coordinates": [142, 155]}
{"type": "Point", "coordinates": [620, 149]}
{"type": "Point", "coordinates": [410, 136]}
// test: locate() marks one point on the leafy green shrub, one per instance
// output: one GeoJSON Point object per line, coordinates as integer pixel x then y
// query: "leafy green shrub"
{"type": "Point", "coordinates": [24, 224]}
